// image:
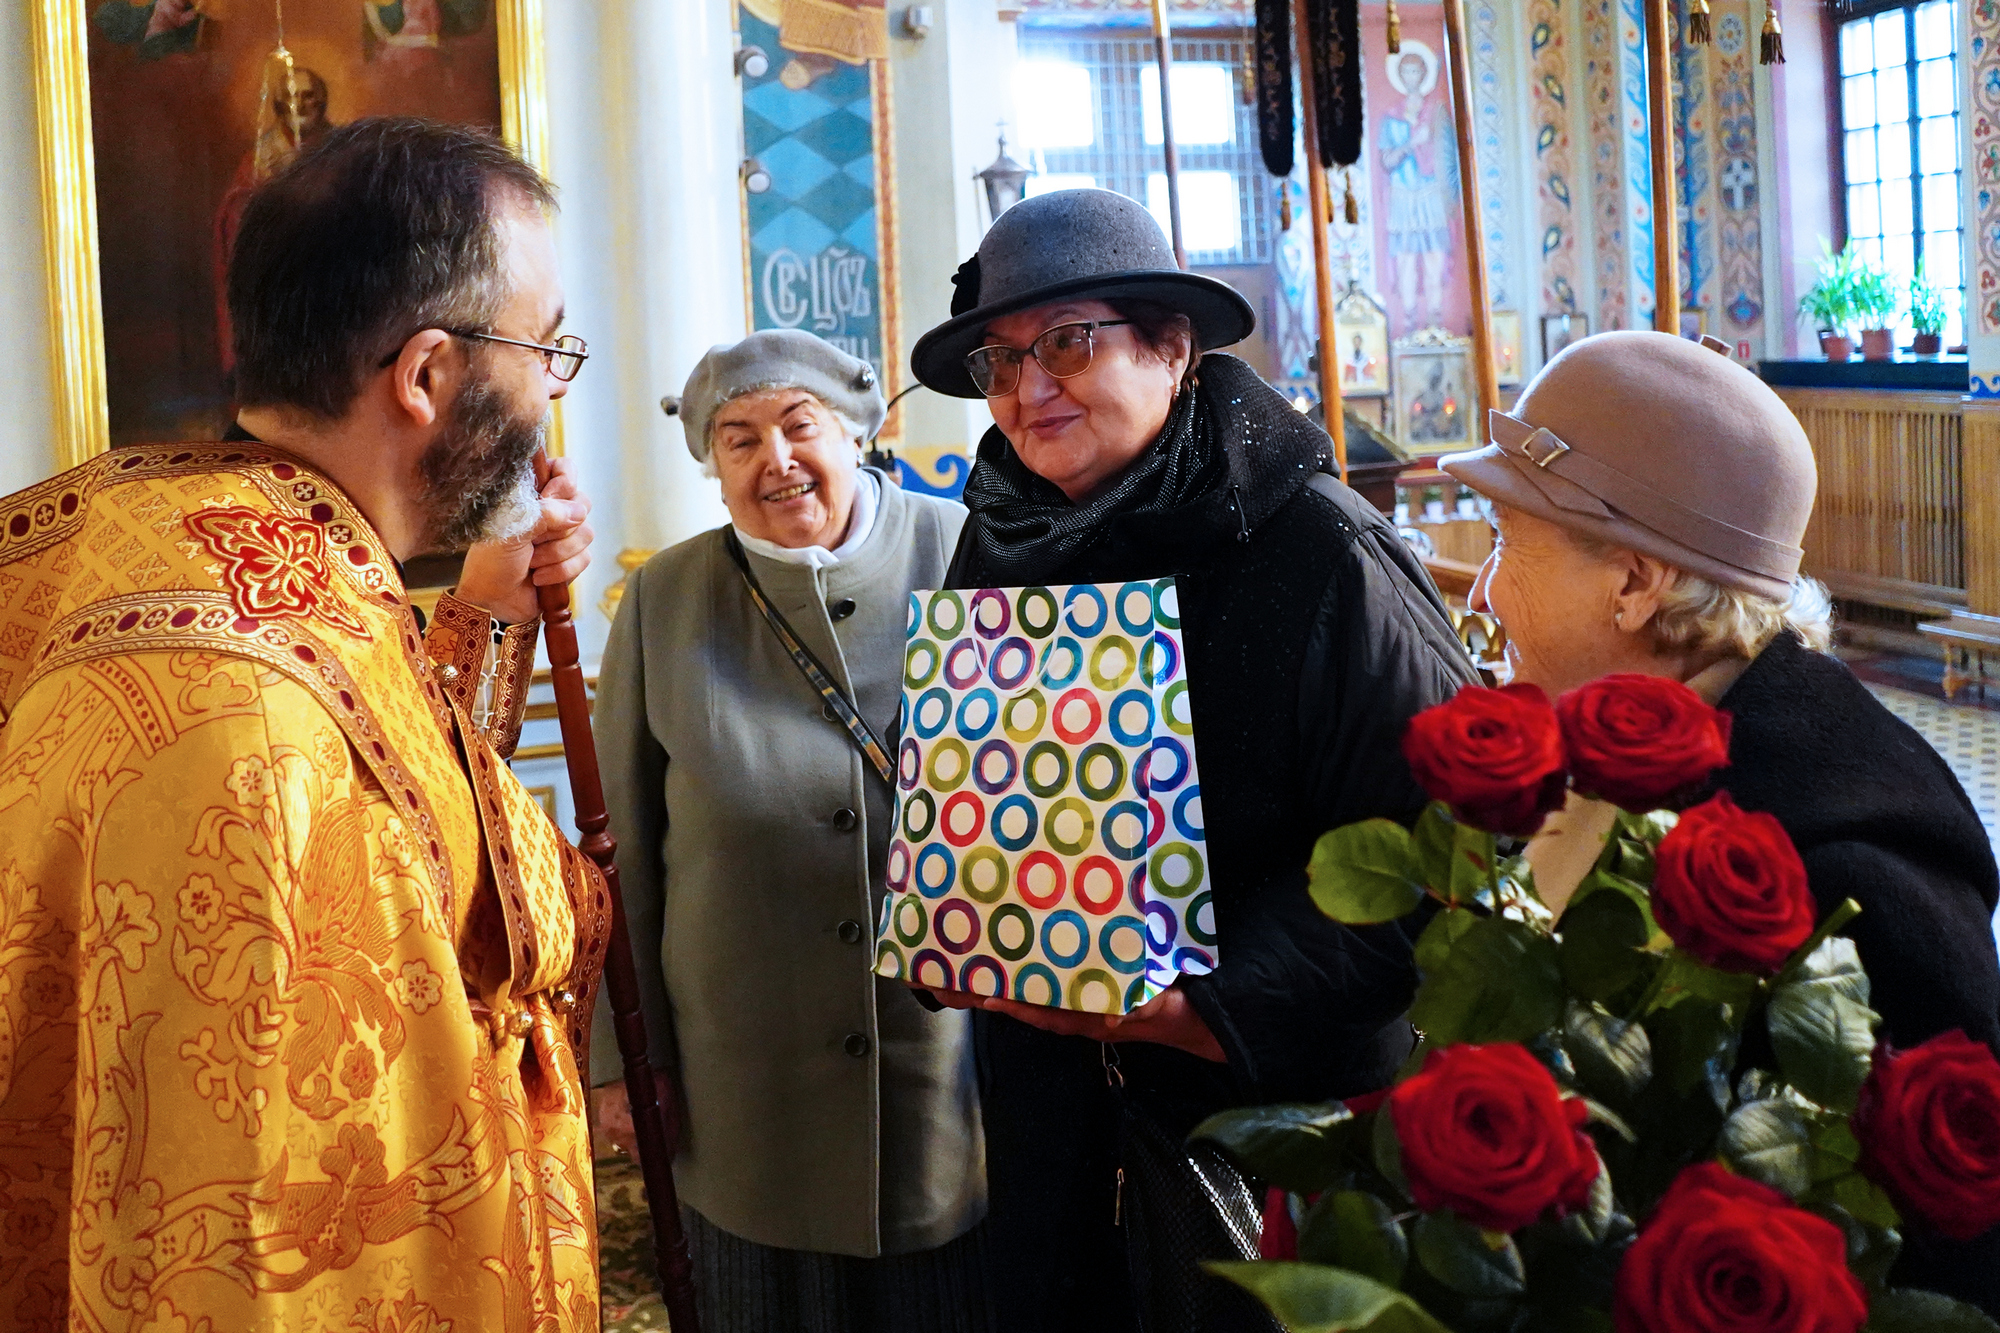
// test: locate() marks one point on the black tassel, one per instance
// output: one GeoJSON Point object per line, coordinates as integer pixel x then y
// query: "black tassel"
{"type": "Point", "coordinates": [1274, 85]}
{"type": "Point", "coordinates": [1771, 47]}
{"type": "Point", "coordinates": [1698, 29]}
{"type": "Point", "coordinates": [1334, 36]}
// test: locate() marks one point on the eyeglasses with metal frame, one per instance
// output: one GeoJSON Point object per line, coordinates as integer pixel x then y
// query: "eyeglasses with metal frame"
{"type": "Point", "coordinates": [1065, 351]}
{"type": "Point", "coordinates": [562, 359]}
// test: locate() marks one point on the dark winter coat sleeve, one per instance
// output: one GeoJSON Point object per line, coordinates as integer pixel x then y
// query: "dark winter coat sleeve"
{"type": "Point", "coordinates": [1302, 996]}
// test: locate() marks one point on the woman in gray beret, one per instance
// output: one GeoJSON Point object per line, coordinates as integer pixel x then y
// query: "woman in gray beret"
{"type": "Point", "coordinates": [1123, 448]}
{"type": "Point", "coordinates": [1651, 500]}
{"type": "Point", "coordinates": [832, 1161]}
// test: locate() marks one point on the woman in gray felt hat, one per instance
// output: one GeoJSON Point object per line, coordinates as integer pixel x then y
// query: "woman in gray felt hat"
{"type": "Point", "coordinates": [1124, 448]}
{"type": "Point", "coordinates": [1651, 500]}
{"type": "Point", "coordinates": [832, 1162]}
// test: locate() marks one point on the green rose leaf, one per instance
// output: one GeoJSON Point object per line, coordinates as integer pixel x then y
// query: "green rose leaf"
{"type": "Point", "coordinates": [1593, 1224]}
{"type": "Point", "coordinates": [1500, 982]}
{"type": "Point", "coordinates": [1444, 932]}
{"type": "Point", "coordinates": [1387, 1151]}
{"type": "Point", "coordinates": [1683, 977]}
{"type": "Point", "coordinates": [1296, 1146]}
{"type": "Point", "coordinates": [1871, 1249]}
{"type": "Point", "coordinates": [1839, 1188]}
{"type": "Point", "coordinates": [1454, 859]}
{"type": "Point", "coordinates": [1686, 1038]}
{"type": "Point", "coordinates": [1822, 1029]}
{"type": "Point", "coordinates": [1895, 1311]}
{"type": "Point", "coordinates": [1311, 1298]}
{"type": "Point", "coordinates": [1604, 935]}
{"type": "Point", "coordinates": [1355, 1230]}
{"type": "Point", "coordinates": [1480, 1264]}
{"type": "Point", "coordinates": [1613, 1058]}
{"type": "Point", "coordinates": [1364, 873]}
{"type": "Point", "coordinates": [1768, 1141]}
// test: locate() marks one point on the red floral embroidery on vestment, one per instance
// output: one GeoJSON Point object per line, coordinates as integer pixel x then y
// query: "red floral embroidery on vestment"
{"type": "Point", "coordinates": [274, 565]}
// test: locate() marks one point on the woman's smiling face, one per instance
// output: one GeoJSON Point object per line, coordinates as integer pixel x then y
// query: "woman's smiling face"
{"type": "Point", "coordinates": [786, 466]}
{"type": "Point", "coordinates": [1080, 433]}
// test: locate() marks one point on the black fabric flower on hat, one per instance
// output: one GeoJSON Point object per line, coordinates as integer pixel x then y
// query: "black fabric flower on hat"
{"type": "Point", "coordinates": [965, 287]}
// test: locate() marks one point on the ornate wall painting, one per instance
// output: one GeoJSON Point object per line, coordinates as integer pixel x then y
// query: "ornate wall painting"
{"type": "Point", "coordinates": [1550, 83]}
{"type": "Point", "coordinates": [1983, 207]}
{"type": "Point", "coordinates": [157, 120]}
{"type": "Point", "coordinates": [1607, 161]}
{"type": "Point", "coordinates": [1434, 392]}
{"type": "Point", "coordinates": [1361, 332]}
{"type": "Point", "coordinates": [1492, 125]}
{"type": "Point", "coordinates": [1735, 291]}
{"type": "Point", "coordinates": [1412, 155]}
{"type": "Point", "coordinates": [1694, 151]}
{"type": "Point", "coordinates": [820, 240]}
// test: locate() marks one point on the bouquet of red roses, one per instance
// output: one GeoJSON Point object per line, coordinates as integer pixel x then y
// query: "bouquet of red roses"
{"type": "Point", "coordinates": [1665, 1111]}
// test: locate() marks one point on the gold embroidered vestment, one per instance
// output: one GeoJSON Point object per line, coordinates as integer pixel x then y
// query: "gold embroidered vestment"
{"type": "Point", "coordinates": [292, 970]}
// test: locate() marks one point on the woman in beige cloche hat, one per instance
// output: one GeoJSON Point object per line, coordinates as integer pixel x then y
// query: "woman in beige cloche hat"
{"type": "Point", "coordinates": [1650, 501]}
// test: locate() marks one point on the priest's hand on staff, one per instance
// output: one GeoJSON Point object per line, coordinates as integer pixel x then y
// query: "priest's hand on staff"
{"type": "Point", "coordinates": [500, 577]}
{"type": "Point", "coordinates": [1167, 1019]}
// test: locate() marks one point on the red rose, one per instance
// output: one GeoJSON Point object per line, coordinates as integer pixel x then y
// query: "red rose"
{"type": "Point", "coordinates": [1929, 1125]}
{"type": "Point", "coordinates": [1721, 1253]}
{"type": "Point", "coordinates": [1637, 741]}
{"type": "Point", "coordinates": [1494, 756]}
{"type": "Point", "coordinates": [1486, 1132]}
{"type": "Point", "coordinates": [1731, 889]}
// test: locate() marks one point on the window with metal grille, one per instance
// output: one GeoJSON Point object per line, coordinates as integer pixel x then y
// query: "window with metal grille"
{"type": "Point", "coordinates": [1899, 116]}
{"type": "Point", "coordinates": [1089, 111]}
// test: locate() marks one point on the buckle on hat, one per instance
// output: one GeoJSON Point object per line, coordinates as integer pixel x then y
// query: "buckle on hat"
{"type": "Point", "coordinates": [1552, 448]}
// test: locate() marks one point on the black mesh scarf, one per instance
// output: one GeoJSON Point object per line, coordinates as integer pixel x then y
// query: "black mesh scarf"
{"type": "Point", "coordinates": [1274, 85]}
{"type": "Point", "coordinates": [1024, 526]}
{"type": "Point", "coordinates": [1334, 38]}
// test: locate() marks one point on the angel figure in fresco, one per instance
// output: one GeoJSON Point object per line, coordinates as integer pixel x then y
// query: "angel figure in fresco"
{"type": "Point", "coordinates": [157, 27]}
{"type": "Point", "coordinates": [1420, 160]}
{"type": "Point", "coordinates": [291, 113]}
{"type": "Point", "coordinates": [405, 25]}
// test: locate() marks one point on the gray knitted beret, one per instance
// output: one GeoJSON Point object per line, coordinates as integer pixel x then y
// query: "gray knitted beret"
{"type": "Point", "coordinates": [779, 359]}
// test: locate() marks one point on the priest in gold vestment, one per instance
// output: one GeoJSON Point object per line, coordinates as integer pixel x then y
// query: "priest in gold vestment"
{"type": "Point", "coordinates": [292, 970]}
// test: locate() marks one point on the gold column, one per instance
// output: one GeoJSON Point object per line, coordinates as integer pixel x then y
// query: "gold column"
{"type": "Point", "coordinates": [69, 231]}
{"type": "Point", "coordinates": [524, 113]}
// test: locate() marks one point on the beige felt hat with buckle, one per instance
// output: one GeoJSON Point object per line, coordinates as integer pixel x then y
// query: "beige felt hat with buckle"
{"type": "Point", "coordinates": [1657, 444]}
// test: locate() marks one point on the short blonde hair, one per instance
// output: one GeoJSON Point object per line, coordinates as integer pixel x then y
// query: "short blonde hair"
{"type": "Point", "coordinates": [1700, 616]}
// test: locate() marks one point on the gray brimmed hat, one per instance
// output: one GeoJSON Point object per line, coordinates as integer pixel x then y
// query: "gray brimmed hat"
{"type": "Point", "coordinates": [1079, 244]}
{"type": "Point", "coordinates": [779, 359]}
{"type": "Point", "coordinates": [1655, 443]}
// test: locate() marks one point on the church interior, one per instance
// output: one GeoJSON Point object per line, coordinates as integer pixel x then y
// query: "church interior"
{"type": "Point", "coordinates": [1825, 212]}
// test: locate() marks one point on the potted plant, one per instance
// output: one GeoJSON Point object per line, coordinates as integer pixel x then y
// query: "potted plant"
{"type": "Point", "coordinates": [1828, 303]}
{"type": "Point", "coordinates": [1873, 294]}
{"type": "Point", "coordinates": [1926, 315]}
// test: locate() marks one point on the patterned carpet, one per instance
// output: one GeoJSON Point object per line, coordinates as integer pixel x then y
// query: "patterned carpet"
{"type": "Point", "coordinates": [629, 1288]}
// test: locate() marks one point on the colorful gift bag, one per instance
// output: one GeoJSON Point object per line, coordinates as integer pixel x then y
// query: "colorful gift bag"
{"type": "Point", "coordinates": [1049, 843]}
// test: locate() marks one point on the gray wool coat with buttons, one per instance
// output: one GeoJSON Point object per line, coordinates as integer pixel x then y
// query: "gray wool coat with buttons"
{"type": "Point", "coordinates": [826, 1110]}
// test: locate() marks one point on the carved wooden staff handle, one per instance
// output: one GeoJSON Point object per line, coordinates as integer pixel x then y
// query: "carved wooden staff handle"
{"type": "Point", "coordinates": [621, 983]}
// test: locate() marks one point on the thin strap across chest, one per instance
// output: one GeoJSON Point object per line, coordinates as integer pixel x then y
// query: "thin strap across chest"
{"type": "Point", "coordinates": [809, 666]}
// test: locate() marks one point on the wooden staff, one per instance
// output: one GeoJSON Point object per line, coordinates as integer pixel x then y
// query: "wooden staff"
{"type": "Point", "coordinates": [1331, 410]}
{"type": "Point", "coordinates": [1458, 62]}
{"type": "Point", "coordinates": [621, 983]}
{"type": "Point", "coordinates": [1659, 92]}
{"type": "Point", "coordinates": [1163, 51]}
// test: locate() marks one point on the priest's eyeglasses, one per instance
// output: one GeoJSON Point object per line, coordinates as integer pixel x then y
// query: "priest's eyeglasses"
{"type": "Point", "coordinates": [1064, 351]}
{"type": "Point", "coordinates": [563, 359]}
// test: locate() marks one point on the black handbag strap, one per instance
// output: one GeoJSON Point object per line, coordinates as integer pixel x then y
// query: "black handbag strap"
{"type": "Point", "coordinates": [809, 666]}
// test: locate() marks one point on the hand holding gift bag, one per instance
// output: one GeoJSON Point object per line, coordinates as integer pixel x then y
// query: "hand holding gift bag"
{"type": "Point", "coordinates": [1049, 849]}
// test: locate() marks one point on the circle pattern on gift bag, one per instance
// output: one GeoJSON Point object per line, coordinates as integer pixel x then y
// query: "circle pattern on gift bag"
{"type": "Point", "coordinates": [977, 966]}
{"type": "Point", "coordinates": [1011, 931]}
{"type": "Point", "coordinates": [1014, 832]}
{"type": "Point", "coordinates": [994, 767]}
{"type": "Point", "coordinates": [948, 766]}
{"type": "Point", "coordinates": [1065, 938]}
{"type": "Point", "coordinates": [946, 617]}
{"type": "Point", "coordinates": [991, 615]}
{"type": "Point", "coordinates": [887, 952]}
{"type": "Point", "coordinates": [978, 711]}
{"type": "Point", "coordinates": [931, 711]}
{"type": "Point", "coordinates": [1080, 832]}
{"type": "Point", "coordinates": [984, 875]}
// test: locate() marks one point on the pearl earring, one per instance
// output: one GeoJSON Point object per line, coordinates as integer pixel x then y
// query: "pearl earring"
{"type": "Point", "coordinates": [1618, 619]}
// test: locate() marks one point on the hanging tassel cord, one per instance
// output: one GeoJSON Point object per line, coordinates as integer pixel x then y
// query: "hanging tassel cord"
{"type": "Point", "coordinates": [1395, 42]}
{"type": "Point", "coordinates": [1351, 208]}
{"type": "Point", "coordinates": [1771, 47]}
{"type": "Point", "coordinates": [1699, 31]}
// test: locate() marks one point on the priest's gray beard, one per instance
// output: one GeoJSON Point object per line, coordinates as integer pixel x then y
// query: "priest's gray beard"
{"type": "Point", "coordinates": [479, 474]}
